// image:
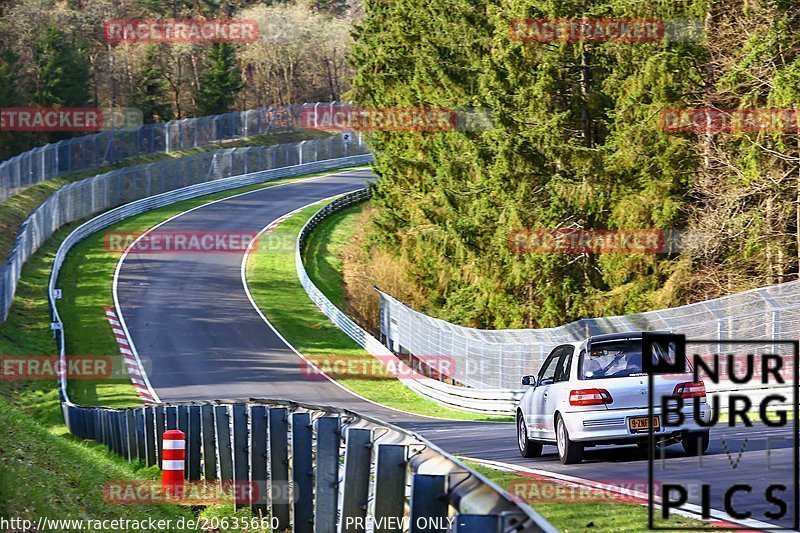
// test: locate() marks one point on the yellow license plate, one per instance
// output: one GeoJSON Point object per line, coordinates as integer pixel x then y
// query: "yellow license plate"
{"type": "Point", "coordinates": [642, 423]}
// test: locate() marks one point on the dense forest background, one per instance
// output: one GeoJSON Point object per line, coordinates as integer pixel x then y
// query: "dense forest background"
{"type": "Point", "coordinates": [53, 53]}
{"type": "Point", "coordinates": [576, 141]}
{"type": "Point", "coordinates": [576, 144]}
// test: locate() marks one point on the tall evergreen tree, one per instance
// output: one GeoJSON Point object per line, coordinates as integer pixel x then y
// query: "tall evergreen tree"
{"type": "Point", "coordinates": [221, 82]}
{"type": "Point", "coordinates": [10, 143]}
{"type": "Point", "coordinates": [151, 94]}
{"type": "Point", "coordinates": [64, 71]}
{"type": "Point", "coordinates": [575, 144]}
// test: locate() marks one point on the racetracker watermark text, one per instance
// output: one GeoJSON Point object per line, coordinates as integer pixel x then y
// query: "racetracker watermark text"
{"type": "Point", "coordinates": [180, 31]}
{"type": "Point", "coordinates": [179, 242]}
{"type": "Point", "coordinates": [377, 367]}
{"type": "Point", "coordinates": [579, 241]}
{"type": "Point", "coordinates": [226, 523]}
{"type": "Point", "coordinates": [746, 120]}
{"type": "Point", "coordinates": [51, 367]}
{"type": "Point", "coordinates": [597, 30]}
{"type": "Point", "coordinates": [86, 119]}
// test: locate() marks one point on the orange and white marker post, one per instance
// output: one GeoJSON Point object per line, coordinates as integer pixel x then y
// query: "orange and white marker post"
{"type": "Point", "coordinates": [173, 462]}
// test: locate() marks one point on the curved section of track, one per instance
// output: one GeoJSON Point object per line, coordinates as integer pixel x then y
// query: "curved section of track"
{"type": "Point", "coordinates": [199, 337]}
{"type": "Point", "coordinates": [192, 323]}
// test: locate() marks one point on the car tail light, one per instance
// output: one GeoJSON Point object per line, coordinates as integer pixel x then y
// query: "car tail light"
{"type": "Point", "coordinates": [590, 397]}
{"type": "Point", "coordinates": [690, 389]}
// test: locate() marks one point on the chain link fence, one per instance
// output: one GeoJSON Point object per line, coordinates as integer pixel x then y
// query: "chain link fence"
{"type": "Point", "coordinates": [91, 151]}
{"type": "Point", "coordinates": [83, 198]}
{"type": "Point", "coordinates": [499, 358]}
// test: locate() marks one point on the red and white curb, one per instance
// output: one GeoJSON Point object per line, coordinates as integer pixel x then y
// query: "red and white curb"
{"type": "Point", "coordinates": [718, 519]}
{"type": "Point", "coordinates": [134, 370]}
{"type": "Point", "coordinates": [274, 224]}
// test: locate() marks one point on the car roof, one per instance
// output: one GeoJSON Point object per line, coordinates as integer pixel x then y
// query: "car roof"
{"type": "Point", "coordinates": [624, 335]}
{"type": "Point", "coordinates": [608, 337]}
{"type": "Point", "coordinates": [615, 336]}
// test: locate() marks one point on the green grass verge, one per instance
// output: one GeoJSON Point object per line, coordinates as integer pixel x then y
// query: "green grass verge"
{"type": "Point", "coordinates": [43, 474]}
{"type": "Point", "coordinates": [45, 471]}
{"type": "Point", "coordinates": [273, 283]}
{"type": "Point", "coordinates": [572, 510]}
{"type": "Point", "coordinates": [322, 254]}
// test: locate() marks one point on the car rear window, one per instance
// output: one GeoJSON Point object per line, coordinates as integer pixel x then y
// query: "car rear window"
{"type": "Point", "coordinates": [617, 359]}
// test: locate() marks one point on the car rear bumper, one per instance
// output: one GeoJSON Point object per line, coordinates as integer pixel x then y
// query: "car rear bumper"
{"type": "Point", "coordinates": [614, 424]}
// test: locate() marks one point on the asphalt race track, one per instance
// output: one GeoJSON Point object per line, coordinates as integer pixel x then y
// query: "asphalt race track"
{"type": "Point", "coordinates": [199, 337]}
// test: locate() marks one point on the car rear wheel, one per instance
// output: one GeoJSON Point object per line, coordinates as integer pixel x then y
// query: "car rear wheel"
{"type": "Point", "coordinates": [568, 452]}
{"type": "Point", "coordinates": [527, 447]}
{"type": "Point", "coordinates": [696, 442]}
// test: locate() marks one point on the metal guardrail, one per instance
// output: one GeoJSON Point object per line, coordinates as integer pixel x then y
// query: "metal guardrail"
{"type": "Point", "coordinates": [486, 401]}
{"type": "Point", "coordinates": [84, 198]}
{"type": "Point", "coordinates": [91, 151]}
{"type": "Point", "coordinates": [314, 468]}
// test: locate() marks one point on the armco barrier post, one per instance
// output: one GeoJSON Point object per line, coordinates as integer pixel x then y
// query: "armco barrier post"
{"type": "Point", "coordinates": [279, 467]}
{"type": "Point", "coordinates": [302, 473]}
{"type": "Point", "coordinates": [182, 423]}
{"type": "Point", "coordinates": [113, 425]}
{"type": "Point", "coordinates": [97, 425]}
{"type": "Point", "coordinates": [108, 439]}
{"type": "Point", "coordinates": [357, 461]}
{"type": "Point", "coordinates": [100, 423]}
{"type": "Point", "coordinates": [89, 416]}
{"type": "Point", "coordinates": [159, 413]}
{"type": "Point", "coordinates": [327, 479]}
{"type": "Point", "coordinates": [223, 434]}
{"type": "Point", "coordinates": [104, 440]}
{"type": "Point", "coordinates": [390, 485]}
{"type": "Point", "coordinates": [173, 462]}
{"type": "Point", "coordinates": [193, 445]}
{"type": "Point", "coordinates": [150, 436]}
{"type": "Point", "coordinates": [258, 459]}
{"type": "Point", "coordinates": [428, 500]}
{"type": "Point", "coordinates": [209, 442]}
{"type": "Point", "coordinates": [138, 416]}
{"type": "Point", "coordinates": [240, 466]}
{"type": "Point", "coordinates": [182, 418]}
{"type": "Point", "coordinates": [122, 435]}
{"type": "Point", "coordinates": [172, 417]}
{"type": "Point", "coordinates": [130, 425]}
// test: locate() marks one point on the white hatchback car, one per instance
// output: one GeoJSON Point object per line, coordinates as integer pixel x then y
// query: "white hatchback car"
{"type": "Point", "coordinates": [595, 392]}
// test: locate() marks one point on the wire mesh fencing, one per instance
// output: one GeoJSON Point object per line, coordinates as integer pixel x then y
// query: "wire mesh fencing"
{"type": "Point", "coordinates": [499, 358]}
{"type": "Point", "coordinates": [83, 198]}
{"type": "Point", "coordinates": [91, 151]}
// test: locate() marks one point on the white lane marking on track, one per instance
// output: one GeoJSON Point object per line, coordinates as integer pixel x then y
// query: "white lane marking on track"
{"type": "Point", "coordinates": [243, 272]}
{"type": "Point", "coordinates": [118, 269]}
{"type": "Point", "coordinates": [687, 510]}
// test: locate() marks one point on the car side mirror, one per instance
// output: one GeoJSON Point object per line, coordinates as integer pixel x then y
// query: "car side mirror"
{"type": "Point", "coordinates": [529, 380]}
